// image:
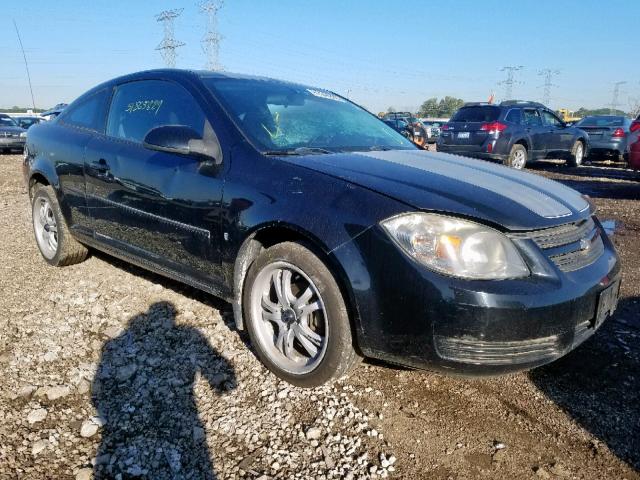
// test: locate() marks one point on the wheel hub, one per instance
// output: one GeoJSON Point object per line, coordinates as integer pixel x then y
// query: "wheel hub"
{"type": "Point", "coordinates": [289, 317]}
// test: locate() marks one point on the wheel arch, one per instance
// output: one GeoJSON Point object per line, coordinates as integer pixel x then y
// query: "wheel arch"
{"type": "Point", "coordinates": [267, 235]}
{"type": "Point", "coordinates": [44, 173]}
{"type": "Point", "coordinates": [524, 142]}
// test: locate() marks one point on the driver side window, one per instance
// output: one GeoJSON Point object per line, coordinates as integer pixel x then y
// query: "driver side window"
{"type": "Point", "coordinates": [550, 119]}
{"type": "Point", "coordinates": [140, 106]}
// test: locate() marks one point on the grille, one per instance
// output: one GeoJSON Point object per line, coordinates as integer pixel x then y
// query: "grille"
{"type": "Point", "coordinates": [470, 350]}
{"type": "Point", "coordinates": [584, 234]}
{"type": "Point", "coordinates": [568, 262]}
{"type": "Point", "coordinates": [562, 235]}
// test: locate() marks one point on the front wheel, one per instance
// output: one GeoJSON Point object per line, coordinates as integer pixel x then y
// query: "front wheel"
{"type": "Point", "coordinates": [296, 316]}
{"type": "Point", "coordinates": [577, 154]}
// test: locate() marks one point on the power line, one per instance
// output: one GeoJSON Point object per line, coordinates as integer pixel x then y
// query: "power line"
{"type": "Point", "coordinates": [26, 65]}
{"type": "Point", "coordinates": [510, 81]}
{"type": "Point", "coordinates": [169, 44]}
{"type": "Point", "coordinates": [615, 97]}
{"type": "Point", "coordinates": [211, 40]}
{"type": "Point", "coordinates": [548, 74]}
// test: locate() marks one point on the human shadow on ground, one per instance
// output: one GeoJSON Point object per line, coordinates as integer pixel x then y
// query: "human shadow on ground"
{"type": "Point", "coordinates": [143, 391]}
{"type": "Point", "coordinates": [598, 384]}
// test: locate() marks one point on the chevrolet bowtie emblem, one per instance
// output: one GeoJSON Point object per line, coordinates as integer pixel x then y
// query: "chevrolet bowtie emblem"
{"type": "Point", "coordinates": [585, 244]}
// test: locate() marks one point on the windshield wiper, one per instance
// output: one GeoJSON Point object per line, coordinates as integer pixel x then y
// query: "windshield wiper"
{"type": "Point", "coordinates": [299, 151]}
{"type": "Point", "coordinates": [379, 148]}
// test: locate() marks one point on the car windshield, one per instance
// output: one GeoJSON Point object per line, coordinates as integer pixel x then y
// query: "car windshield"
{"type": "Point", "coordinates": [7, 122]}
{"type": "Point", "coordinates": [280, 117]}
{"type": "Point", "coordinates": [476, 114]}
{"type": "Point", "coordinates": [601, 122]}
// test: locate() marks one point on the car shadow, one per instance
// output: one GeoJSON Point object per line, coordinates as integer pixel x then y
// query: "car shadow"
{"type": "Point", "coordinates": [595, 179]}
{"type": "Point", "coordinates": [143, 392]}
{"type": "Point", "coordinates": [598, 384]}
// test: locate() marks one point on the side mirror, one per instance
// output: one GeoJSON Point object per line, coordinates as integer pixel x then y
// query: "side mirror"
{"type": "Point", "coordinates": [181, 140]}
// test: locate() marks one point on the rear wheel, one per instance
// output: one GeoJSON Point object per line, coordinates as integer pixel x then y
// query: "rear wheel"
{"type": "Point", "coordinates": [517, 157]}
{"type": "Point", "coordinates": [577, 154]}
{"type": "Point", "coordinates": [54, 240]}
{"type": "Point", "coordinates": [296, 316]}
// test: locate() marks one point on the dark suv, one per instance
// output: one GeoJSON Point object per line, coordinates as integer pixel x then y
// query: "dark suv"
{"type": "Point", "coordinates": [513, 132]}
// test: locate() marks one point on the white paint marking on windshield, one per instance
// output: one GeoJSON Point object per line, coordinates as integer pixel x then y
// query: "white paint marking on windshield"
{"type": "Point", "coordinates": [325, 95]}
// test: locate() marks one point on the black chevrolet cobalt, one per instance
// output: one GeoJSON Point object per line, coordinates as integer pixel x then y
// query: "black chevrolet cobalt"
{"type": "Point", "coordinates": [332, 235]}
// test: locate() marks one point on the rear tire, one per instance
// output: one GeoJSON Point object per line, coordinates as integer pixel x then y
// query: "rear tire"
{"type": "Point", "coordinates": [55, 242]}
{"type": "Point", "coordinates": [517, 157]}
{"type": "Point", "coordinates": [297, 318]}
{"type": "Point", "coordinates": [577, 154]}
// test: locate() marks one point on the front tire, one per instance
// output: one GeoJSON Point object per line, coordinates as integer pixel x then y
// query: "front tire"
{"type": "Point", "coordinates": [53, 238]}
{"type": "Point", "coordinates": [297, 318]}
{"type": "Point", "coordinates": [517, 157]}
{"type": "Point", "coordinates": [577, 154]}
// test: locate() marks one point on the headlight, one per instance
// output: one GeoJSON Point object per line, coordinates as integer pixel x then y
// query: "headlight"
{"type": "Point", "coordinates": [456, 247]}
{"type": "Point", "coordinates": [23, 134]}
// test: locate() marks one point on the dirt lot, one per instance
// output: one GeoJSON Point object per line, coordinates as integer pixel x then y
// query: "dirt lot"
{"type": "Point", "coordinates": [107, 368]}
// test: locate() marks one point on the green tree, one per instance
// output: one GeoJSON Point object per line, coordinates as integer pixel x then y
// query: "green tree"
{"type": "Point", "coordinates": [448, 106]}
{"type": "Point", "coordinates": [445, 107]}
{"type": "Point", "coordinates": [585, 112]}
{"type": "Point", "coordinates": [429, 108]}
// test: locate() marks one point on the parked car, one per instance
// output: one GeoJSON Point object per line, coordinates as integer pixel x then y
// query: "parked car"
{"type": "Point", "coordinates": [607, 134]}
{"type": "Point", "coordinates": [400, 126]}
{"type": "Point", "coordinates": [12, 136]}
{"type": "Point", "coordinates": [514, 133]}
{"type": "Point", "coordinates": [432, 128]}
{"type": "Point", "coordinates": [26, 122]}
{"type": "Point", "coordinates": [332, 235]}
{"type": "Point", "coordinates": [634, 144]}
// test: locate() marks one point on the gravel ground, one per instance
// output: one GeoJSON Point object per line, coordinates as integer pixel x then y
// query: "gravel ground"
{"type": "Point", "coordinates": [107, 371]}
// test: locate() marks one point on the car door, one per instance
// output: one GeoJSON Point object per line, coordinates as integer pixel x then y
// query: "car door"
{"type": "Point", "coordinates": [77, 126]}
{"type": "Point", "coordinates": [158, 206]}
{"type": "Point", "coordinates": [557, 137]}
{"type": "Point", "coordinates": [532, 122]}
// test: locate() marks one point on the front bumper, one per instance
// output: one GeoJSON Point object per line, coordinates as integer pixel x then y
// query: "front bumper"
{"type": "Point", "coordinates": [418, 318]}
{"type": "Point", "coordinates": [12, 142]}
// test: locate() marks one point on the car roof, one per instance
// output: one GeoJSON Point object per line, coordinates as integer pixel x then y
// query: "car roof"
{"type": "Point", "coordinates": [176, 73]}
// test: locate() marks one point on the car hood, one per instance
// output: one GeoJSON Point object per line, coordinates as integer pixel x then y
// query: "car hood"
{"type": "Point", "coordinates": [12, 129]}
{"type": "Point", "coordinates": [447, 183]}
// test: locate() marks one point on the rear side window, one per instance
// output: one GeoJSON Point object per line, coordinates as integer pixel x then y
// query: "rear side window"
{"type": "Point", "coordinates": [87, 113]}
{"type": "Point", "coordinates": [138, 107]}
{"type": "Point", "coordinates": [532, 117]}
{"type": "Point", "coordinates": [514, 116]}
{"type": "Point", "coordinates": [478, 113]}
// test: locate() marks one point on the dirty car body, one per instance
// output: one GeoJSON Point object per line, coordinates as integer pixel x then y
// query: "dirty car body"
{"type": "Point", "coordinates": [203, 221]}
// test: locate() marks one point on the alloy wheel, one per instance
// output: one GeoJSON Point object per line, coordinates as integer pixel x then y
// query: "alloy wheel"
{"type": "Point", "coordinates": [45, 227]}
{"type": "Point", "coordinates": [519, 160]}
{"type": "Point", "coordinates": [291, 320]}
{"type": "Point", "coordinates": [579, 153]}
